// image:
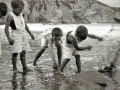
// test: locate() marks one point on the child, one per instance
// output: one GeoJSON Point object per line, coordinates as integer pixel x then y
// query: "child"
{"type": "Point", "coordinates": [3, 11]}
{"type": "Point", "coordinates": [50, 37]}
{"type": "Point", "coordinates": [70, 45]}
{"type": "Point", "coordinates": [18, 39]}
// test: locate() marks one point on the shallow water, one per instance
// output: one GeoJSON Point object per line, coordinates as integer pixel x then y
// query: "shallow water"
{"type": "Point", "coordinates": [44, 77]}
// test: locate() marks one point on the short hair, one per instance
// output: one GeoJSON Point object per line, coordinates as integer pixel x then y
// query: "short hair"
{"type": "Point", "coordinates": [82, 32]}
{"type": "Point", "coordinates": [57, 32]}
{"type": "Point", "coordinates": [3, 8]}
{"type": "Point", "coordinates": [17, 3]}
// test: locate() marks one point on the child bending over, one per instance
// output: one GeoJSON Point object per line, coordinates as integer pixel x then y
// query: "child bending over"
{"type": "Point", "coordinates": [50, 37]}
{"type": "Point", "coordinates": [70, 45]}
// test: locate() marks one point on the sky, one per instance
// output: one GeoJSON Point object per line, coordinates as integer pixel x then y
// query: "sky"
{"type": "Point", "coordinates": [112, 3]}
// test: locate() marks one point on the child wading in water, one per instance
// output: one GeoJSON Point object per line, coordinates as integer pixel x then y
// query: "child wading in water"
{"type": "Point", "coordinates": [50, 37]}
{"type": "Point", "coordinates": [18, 39]}
{"type": "Point", "coordinates": [70, 45]}
{"type": "Point", "coordinates": [3, 12]}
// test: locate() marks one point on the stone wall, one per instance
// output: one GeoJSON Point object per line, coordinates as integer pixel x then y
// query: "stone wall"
{"type": "Point", "coordinates": [74, 11]}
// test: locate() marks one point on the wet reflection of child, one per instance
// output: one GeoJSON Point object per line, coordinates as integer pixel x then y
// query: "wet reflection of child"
{"type": "Point", "coordinates": [3, 12]}
{"type": "Point", "coordinates": [15, 81]}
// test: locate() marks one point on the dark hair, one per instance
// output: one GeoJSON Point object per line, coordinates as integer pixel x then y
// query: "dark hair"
{"type": "Point", "coordinates": [16, 3]}
{"type": "Point", "coordinates": [3, 8]}
{"type": "Point", "coordinates": [57, 32]}
{"type": "Point", "coordinates": [81, 32]}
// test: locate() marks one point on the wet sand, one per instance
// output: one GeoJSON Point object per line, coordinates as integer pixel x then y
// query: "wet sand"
{"type": "Point", "coordinates": [45, 78]}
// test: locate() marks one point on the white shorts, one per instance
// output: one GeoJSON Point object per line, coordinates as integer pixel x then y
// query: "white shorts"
{"type": "Point", "coordinates": [21, 42]}
{"type": "Point", "coordinates": [68, 52]}
{"type": "Point", "coordinates": [46, 36]}
{"type": "Point", "coordinates": [0, 49]}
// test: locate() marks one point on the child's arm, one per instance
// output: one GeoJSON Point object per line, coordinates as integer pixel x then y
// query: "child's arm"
{"type": "Point", "coordinates": [59, 53]}
{"type": "Point", "coordinates": [8, 21]}
{"type": "Point", "coordinates": [75, 44]}
{"type": "Point", "coordinates": [28, 30]}
{"type": "Point", "coordinates": [94, 36]}
{"type": "Point", "coordinates": [52, 53]}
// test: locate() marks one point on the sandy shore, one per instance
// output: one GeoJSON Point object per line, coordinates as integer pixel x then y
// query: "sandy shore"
{"type": "Point", "coordinates": [99, 29]}
{"type": "Point", "coordinates": [87, 80]}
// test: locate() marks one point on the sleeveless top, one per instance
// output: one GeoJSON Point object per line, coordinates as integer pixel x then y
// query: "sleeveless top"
{"type": "Point", "coordinates": [18, 22]}
{"type": "Point", "coordinates": [67, 43]}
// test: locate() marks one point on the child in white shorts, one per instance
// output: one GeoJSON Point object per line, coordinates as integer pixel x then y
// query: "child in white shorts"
{"type": "Point", "coordinates": [18, 40]}
{"type": "Point", "coordinates": [50, 37]}
{"type": "Point", "coordinates": [71, 48]}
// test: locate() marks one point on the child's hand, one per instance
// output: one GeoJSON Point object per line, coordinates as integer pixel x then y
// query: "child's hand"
{"type": "Point", "coordinates": [32, 36]}
{"type": "Point", "coordinates": [89, 47]}
{"type": "Point", "coordinates": [11, 41]}
{"type": "Point", "coordinates": [100, 38]}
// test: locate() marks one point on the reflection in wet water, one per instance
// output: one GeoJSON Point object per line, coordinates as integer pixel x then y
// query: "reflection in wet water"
{"type": "Point", "coordinates": [14, 82]}
{"type": "Point", "coordinates": [19, 84]}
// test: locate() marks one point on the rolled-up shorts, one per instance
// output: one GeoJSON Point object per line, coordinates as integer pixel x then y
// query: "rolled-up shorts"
{"type": "Point", "coordinates": [45, 37]}
{"type": "Point", "coordinates": [20, 42]}
{"type": "Point", "coordinates": [68, 52]}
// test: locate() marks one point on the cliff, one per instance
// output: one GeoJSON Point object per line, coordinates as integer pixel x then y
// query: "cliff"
{"type": "Point", "coordinates": [74, 11]}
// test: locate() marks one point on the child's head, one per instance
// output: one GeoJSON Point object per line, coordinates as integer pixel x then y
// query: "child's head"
{"type": "Point", "coordinates": [57, 34]}
{"type": "Point", "coordinates": [17, 6]}
{"type": "Point", "coordinates": [3, 9]}
{"type": "Point", "coordinates": [81, 33]}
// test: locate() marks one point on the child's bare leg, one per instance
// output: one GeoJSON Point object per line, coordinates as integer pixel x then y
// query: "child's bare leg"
{"type": "Point", "coordinates": [23, 60]}
{"type": "Point", "coordinates": [54, 64]}
{"type": "Point", "coordinates": [64, 63]}
{"type": "Point", "coordinates": [14, 61]}
{"type": "Point", "coordinates": [59, 53]}
{"type": "Point", "coordinates": [42, 49]}
{"type": "Point", "coordinates": [78, 63]}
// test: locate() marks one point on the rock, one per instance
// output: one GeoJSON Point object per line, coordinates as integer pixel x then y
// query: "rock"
{"type": "Point", "coordinates": [91, 79]}
{"type": "Point", "coordinates": [77, 11]}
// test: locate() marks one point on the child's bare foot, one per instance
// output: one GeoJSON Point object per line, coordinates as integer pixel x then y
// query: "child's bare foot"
{"type": "Point", "coordinates": [16, 71]}
{"type": "Point", "coordinates": [34, 64]}
{"type": "Point", "coordinates": [77, 72]}
{"type": "Point", "coordinates": [61, 71]}
{"type": "Point", "coordinates": [27, 70]}
{"type": "Point", "coordinates": [55, 67]}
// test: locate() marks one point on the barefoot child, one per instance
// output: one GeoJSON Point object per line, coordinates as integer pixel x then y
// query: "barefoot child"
{"type": "Point", "coordinates": [3, 12]}
{"type": "Point", "coordinates": [18, 39]}
{"type": "Point", "coordinates": [70, 45]}
{"type": "Point", "coordinates": [50, 37]}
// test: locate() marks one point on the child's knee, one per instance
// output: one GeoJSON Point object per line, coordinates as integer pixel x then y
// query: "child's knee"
{"type": "Point", "coordinates": [23, 53]}
{"type": "Point", "coordinates": [14, 54]}
{"type": "Point", "coordinates": [77, 56]}
{"type": "Point", "coordinates": [43, 48]}
{"type": "Point", "coordinates": [67, 60]}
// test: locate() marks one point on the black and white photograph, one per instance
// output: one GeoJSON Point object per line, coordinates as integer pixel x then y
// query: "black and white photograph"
{"type": "Point", "coordinates": [36, 36]}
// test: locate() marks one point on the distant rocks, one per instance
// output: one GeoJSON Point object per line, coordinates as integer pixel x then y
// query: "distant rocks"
{"type": "Point", "coordinates": [74, 11]}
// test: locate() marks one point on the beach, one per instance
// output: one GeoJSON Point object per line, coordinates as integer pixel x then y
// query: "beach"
{"type": "Point", "coordinates": [44, 77]}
